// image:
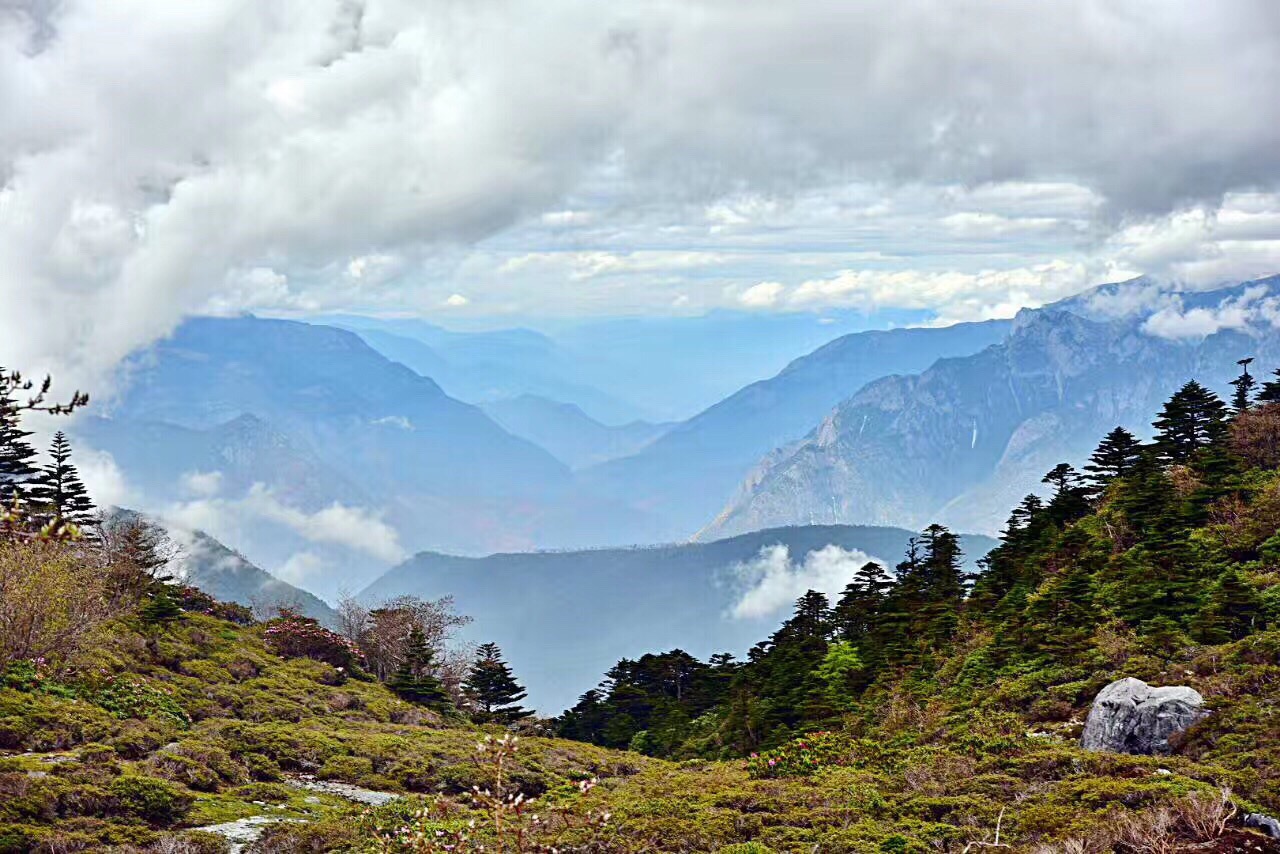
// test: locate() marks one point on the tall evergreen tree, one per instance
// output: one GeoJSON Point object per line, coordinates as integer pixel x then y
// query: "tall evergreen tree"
{"type": "Point", "coordinates": [58, 493]}
{"type": "Point", "coordinates": [1271, 390]}
{"type": "Point", "coordinates": [1115, 456]}
{"type": "Point", "coordinates": [1070, 498]}
{"type": "Point", "coordinates": [1244, 385]}
{"type": "Point", "coordinates": [492, 688]}
{"type": "Point", "coordinates": [861, 601]}
{"type": "Point", "coordinates": [1193, 418]}
{"type": "Point", "coordinates": [17, 466]}
{"type": "Point", "coordinates": [416, 680]}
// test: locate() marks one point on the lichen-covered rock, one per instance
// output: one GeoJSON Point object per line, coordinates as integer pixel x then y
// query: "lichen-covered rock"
{"type": "Point", "coordinates": [1265, 823]}
{"type": "Point", "coordinates": [1129, 716]}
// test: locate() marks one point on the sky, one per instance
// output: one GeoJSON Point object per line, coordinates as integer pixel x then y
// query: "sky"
{"type": "Point", "coordinates": [493, 161]}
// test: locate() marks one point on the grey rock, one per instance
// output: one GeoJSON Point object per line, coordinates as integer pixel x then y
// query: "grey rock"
{"type": "Point", "coordinates": [1129, 716]}
{"type": "Point", "coordinates": [1265, 823]}
{"type": "Point", "coordinates": [342, 790]}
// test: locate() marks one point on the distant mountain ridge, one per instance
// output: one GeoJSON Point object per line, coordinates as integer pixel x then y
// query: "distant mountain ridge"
{"type": "Point", "coordinates": [568, 433]}
{"type": "Point", "coordinates": [316, 419]}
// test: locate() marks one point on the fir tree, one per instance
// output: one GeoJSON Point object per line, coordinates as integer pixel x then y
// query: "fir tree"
{"type": "Point", "coordinates": [492, 689]}
{"type": "Point", "coordinates": [1244, 386]}
{"type": "Point", "coordinates": [161, 606]}
{"type": "Point", "coordinates": [17, 468]}
{"type": "Point", "coordinates": [860, 602]}
{"type": "Point", "coordinates": [1115, 457]}
{"type": "Point", "coordinates": [1233, 611]}
{"type": "Point", "coordinates": [1271, 390]}
{"type": "Point", "coordinates": [1070, 498]}
{"type": "Point", "coordinates": [1193, 418]}
{"type": "Point", "coordinates": [415, 680]}
{"type": "Point", "coordinates": [58, 493]}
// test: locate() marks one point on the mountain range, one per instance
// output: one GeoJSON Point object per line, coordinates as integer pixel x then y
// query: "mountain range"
{"type": "Point", "coordinates": [327, 461]}
{"type": "Point", "coordinates": [685, 477]}
{"type": "Point", "coordinates": [993, 422]}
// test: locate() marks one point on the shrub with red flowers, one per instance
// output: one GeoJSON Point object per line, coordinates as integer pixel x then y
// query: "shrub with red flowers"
{"type": "Point", "coordinates": [292, 635]}
{"type": "Point", "coordinates": [802, 756]}
{"type": "Point", "coordinates": [195, 600]}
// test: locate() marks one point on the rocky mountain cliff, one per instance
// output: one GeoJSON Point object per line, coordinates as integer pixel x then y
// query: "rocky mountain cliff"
{"type": "Point", "coordinates": [688, 474]}
{"type": "Point", "coordinates": [961, 442]}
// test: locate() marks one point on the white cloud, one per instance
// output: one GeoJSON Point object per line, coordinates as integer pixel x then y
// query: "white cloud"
{"type": "Point", "coordinates": [954, 295]}
{"type": "Point", "coordinates": [773, 581]}
{"type": "Point", "coordinates": [202, 484]}
{"type": "Point", "coordinates": [300, 568]}
{"type": "Point", "coordinates": [762, 295]}
{"type": "Point", "coordinates": [354, 528]}
{"type": "Point", "coordinates": [1250, 310]}
{"type": "Point", "coordinates": [156, 160]}
{"type": "Point", "coordinates": [103, 479]}
{"type": "Point", "coordinates": [456, 301]}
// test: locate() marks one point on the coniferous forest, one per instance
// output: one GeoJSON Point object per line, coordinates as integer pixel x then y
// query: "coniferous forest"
{"type": "Point", "coordinates": [923, 709]}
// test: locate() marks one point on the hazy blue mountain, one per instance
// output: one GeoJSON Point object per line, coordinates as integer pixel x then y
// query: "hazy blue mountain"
{"type": "Point", "coordinates": [568, 433]}
{"type": "Point", "coordinates": [285, 418]}
{"type": "Point", "coordinates": [486, 366]}
{"type": "Point", "coordinates": [675, 367]}
{"type": "Point", "coordinates": [617, 369]}
{"type": "Point", "coordinates": [964, 440]}
{"type": "Point", "coordinates": [159, 457]}
{"type": "Point", "coordinates": [372, 419]}
{"type": "Point", "coordinates": [688, 474]}
{"type": "Point", "coordinates": [563, 618]}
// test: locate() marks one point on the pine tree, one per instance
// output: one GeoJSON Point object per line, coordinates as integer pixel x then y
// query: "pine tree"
{"type": "Point", "coordinates": [1244, 385]}
{"type": "Point", "coordinates": [17, 468]}
{"type": "Point", "coordinates": [492, 689]}
{"type": "Point", "coordinates": [415, 680]}
{"type": "Point", "coordinates": [861, 600]}
{"type": "Point", "coordinates": [1232, 612]}
{"type": "Point", "coordinates": [1115, 457]}
{"type": "Point", "coordinates": [1193, 418]}
{"type": "Point", "coordinates": [1070, 498]}
{"type": "Point", "coordinates": [161, 606]}
{"type": "Point", "coordinates": [1271, 390]}
{"type": "Point", "coordinates": [58, 493]}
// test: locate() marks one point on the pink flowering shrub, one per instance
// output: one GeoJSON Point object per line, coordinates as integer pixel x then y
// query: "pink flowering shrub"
{"type": "Point", "coordinates": [193, 599]}
{"type": "Point", "coordinates": [802, 756]}
{"type": "Point", "coordinates": [292, 635]}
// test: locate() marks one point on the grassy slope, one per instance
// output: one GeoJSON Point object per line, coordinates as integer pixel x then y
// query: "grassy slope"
{"type": "Point", "coordinates": [933, 765]}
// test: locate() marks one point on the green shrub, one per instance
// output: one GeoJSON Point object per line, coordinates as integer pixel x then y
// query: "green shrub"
{"type": "Point", "coordinates": [262, 768]}
{"type": "Point", "coordinates": [131, 698]}
{"type": "Point", "coordinates": [156, 801]}
{"type": "Point", "coordinates": [348, 768]}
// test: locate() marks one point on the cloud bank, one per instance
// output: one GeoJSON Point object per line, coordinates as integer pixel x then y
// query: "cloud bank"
{"type": "Point", "coordinates": [303, 154]}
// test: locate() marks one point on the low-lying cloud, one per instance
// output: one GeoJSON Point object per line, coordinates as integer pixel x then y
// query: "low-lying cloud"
{"type": "Point", "coordinates": [773, 581]}
{"type": "Point", "coordinates": [353, 528]}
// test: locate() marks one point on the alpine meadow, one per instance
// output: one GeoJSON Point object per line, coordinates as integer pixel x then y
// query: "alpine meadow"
{"type": "Point", "coordinates": [579, 428]}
